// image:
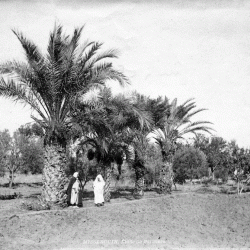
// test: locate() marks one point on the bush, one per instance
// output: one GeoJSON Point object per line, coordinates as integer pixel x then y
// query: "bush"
{"type": "Point", "coordinates": [35, 206]}
{"type": "Point", "coordinates": [206, 180]}
{"type": "Point", "coordinates": [180, 175]}
{"type": "Point", "coordinates": [221, 173]}
{"type": "Point", "coordinates": [2, 171]}
{"type": "Point", "coordinates": [32, 157]}
{"type": "Point", "coordinates": [189, 163]}
{"type": "Point", "coordinates": [9, 196]}
{"type": "Point", "coordinates": [153, 164]}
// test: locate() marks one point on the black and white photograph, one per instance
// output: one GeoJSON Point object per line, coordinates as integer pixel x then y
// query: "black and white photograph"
{"type": "Point", "coordinates": [124, 124]}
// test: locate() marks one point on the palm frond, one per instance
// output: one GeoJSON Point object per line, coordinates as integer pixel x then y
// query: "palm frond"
{"type": "Point", "coordinates": [82, 49]}
{"type": "Point", "coordinates": [51, 84]}
{"type": "Point", "coordinates": [55, 43]}
{"type": "Point", "coordinates": [14, 67]}
{"type": "Point", "coordinates": [188, 116]}
{"type": "Point", "coordinates": [42, 123]}
{"type": "Point", "coordinates": [31, 50]}
{"type": "Point", "coordinates": [187, 101]}
{"type": "Point", "coordinates": [103, 75]}
{"type": "Point", "coordinates": [196, 129]}
{"type": "Point", "coordinates": [20, 93]}
{"type": "Point", "coordinates": [112, 53]}
{"type": "Point", "coordinates": [89, 54]}
{"type": "Point", "coordinates": [35, 72]}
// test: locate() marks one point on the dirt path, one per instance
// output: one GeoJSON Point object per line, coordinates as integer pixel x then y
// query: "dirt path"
{"type": "Point", "coordinates": [87, 205]}
{"type": "Point", "coordinates": [167, 222]}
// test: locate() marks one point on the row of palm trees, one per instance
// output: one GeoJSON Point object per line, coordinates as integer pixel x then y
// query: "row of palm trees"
{"type": "Point", "coordinates": [66, 89]}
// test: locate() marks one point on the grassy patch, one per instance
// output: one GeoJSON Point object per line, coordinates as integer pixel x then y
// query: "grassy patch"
{"type": "Point", "coordinates": [21, 178]}
{"type": "Point", "coordinates": [35, 205]}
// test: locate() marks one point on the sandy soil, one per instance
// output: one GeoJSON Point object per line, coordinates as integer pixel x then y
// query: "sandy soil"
{"type": "Point", "coordinates": [189, 218]}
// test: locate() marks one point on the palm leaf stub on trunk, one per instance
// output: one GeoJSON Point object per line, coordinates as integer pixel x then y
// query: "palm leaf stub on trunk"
{"type": "Point", "coordinates": [54, 178]}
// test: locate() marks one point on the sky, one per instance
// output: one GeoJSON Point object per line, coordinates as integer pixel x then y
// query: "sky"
{"type": "Point", "coordinates": [180, 49]}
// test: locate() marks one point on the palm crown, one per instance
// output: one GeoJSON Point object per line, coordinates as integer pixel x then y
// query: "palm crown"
{"type": "Point", "coordinates": [177, 124]}
{"type": "Point", "coordinates": [110, 123]}
{"type": "Point", "coordinates": [51, 83]}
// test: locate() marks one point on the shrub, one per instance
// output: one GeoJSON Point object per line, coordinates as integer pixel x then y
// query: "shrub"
{"type": "Point", "coordinates": [36, 205]}
{"type": "Point", "coordinates": [32, 157]}
{"type": "Point", "coordinates": [2, 171]}
{"type": "Point", "coordinates": [153, 165]}
{"type": "Point", "coordinates": [206, 180]}
{"type": "Point", "coordinates": [189, 163]}
{"type": "Point", "coordinates": [9, 196]}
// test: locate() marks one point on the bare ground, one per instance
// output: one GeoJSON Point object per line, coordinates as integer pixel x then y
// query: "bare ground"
{"type": "Point", "coordinates": [192, 217]}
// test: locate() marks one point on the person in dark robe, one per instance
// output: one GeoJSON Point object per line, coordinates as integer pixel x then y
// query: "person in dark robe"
{"type": "Point", "coordinates": [74, 191]}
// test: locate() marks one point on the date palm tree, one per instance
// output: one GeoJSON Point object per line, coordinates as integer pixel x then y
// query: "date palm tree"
{"type": "Point", "coordinates": [112, 126]}
{"type": "Point", "coordinates": [176, 124]}
{"type": "Point", "coordinates": [157, 109]}
{"type": "Point", "coordinates": [140, 145]}
{"type": "Point", "coordinates": [50, 84]}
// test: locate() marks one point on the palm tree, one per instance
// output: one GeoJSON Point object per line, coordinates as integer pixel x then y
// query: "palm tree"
{"type": "Point", "coordinates": [140, 146]}
{"type": "Point", "coordinates": [111, 128]}
{"type": "Point", "coordinates": [50, 84]}
{"type": "Point", "coordinates": [176, 124]}
{"type": "Point", "coordinates": [106, 151]}
{"type": "Point", "coordinates": [157, 109]}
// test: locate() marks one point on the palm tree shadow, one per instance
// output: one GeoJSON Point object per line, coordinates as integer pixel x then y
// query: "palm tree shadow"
{"type": "Point", "coordinates": [126, 193]}
{"type": "Point", "coordinates": [88, 195]}
{"type": "Point", "coordinates": [122, 193]}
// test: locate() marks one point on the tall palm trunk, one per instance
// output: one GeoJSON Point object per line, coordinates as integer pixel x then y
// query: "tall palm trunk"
{"type": "Point", "coordinates": [54, 177]}
{"type": "Point", "coordinates": [107, 194]}
{"type": "Point", "coordinates": [165, 181]}
{"type": "Point", "coordinates": [139, 184]}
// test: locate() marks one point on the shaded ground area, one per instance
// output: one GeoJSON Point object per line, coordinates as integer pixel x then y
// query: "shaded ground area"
{"type": "Point", "coordinates": [193, 216]}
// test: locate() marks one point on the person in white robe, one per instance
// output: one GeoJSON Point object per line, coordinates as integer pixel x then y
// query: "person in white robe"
{"type": "Point", "coordinates": [98, 186]}
{"type": "Point", "coordinates": [76, 197]}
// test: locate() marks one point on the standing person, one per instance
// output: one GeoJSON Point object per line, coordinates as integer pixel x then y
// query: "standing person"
{"type": "Point", "coordinates": [98, 186]}
{"type": "Point", "coordinates": [74, 191]}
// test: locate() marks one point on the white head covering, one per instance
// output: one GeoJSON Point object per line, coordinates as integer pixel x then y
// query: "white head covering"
{"type": "Point", "coordinates": [99, 178]}
{"type": "Point", "coordinates": [76, 174]}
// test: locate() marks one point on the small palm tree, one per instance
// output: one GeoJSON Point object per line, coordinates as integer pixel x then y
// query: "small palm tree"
{"type": "Point", "coordinates": [50, 84]}
{"type": "Point", "coordinates": [141, 145]}
{"type": "Point", "coordinates": [176, 124]}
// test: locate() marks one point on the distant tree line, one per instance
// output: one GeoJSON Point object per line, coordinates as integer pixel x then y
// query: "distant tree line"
{"type": "Point", "coordinates": [21, 153]}
{"type": "Point", "coordinates": [211, 157]}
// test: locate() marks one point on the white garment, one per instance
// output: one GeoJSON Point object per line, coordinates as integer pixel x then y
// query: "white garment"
{"type": "Point", "coordinates": [74, 192]}
{"type": "Point", "coordinates": [76, 174]}
{"type": "Point", "coordinates": [98, 186]}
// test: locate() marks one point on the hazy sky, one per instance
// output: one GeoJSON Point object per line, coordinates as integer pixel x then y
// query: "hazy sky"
{"type": "Point", "coordinates": [179, 49]}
